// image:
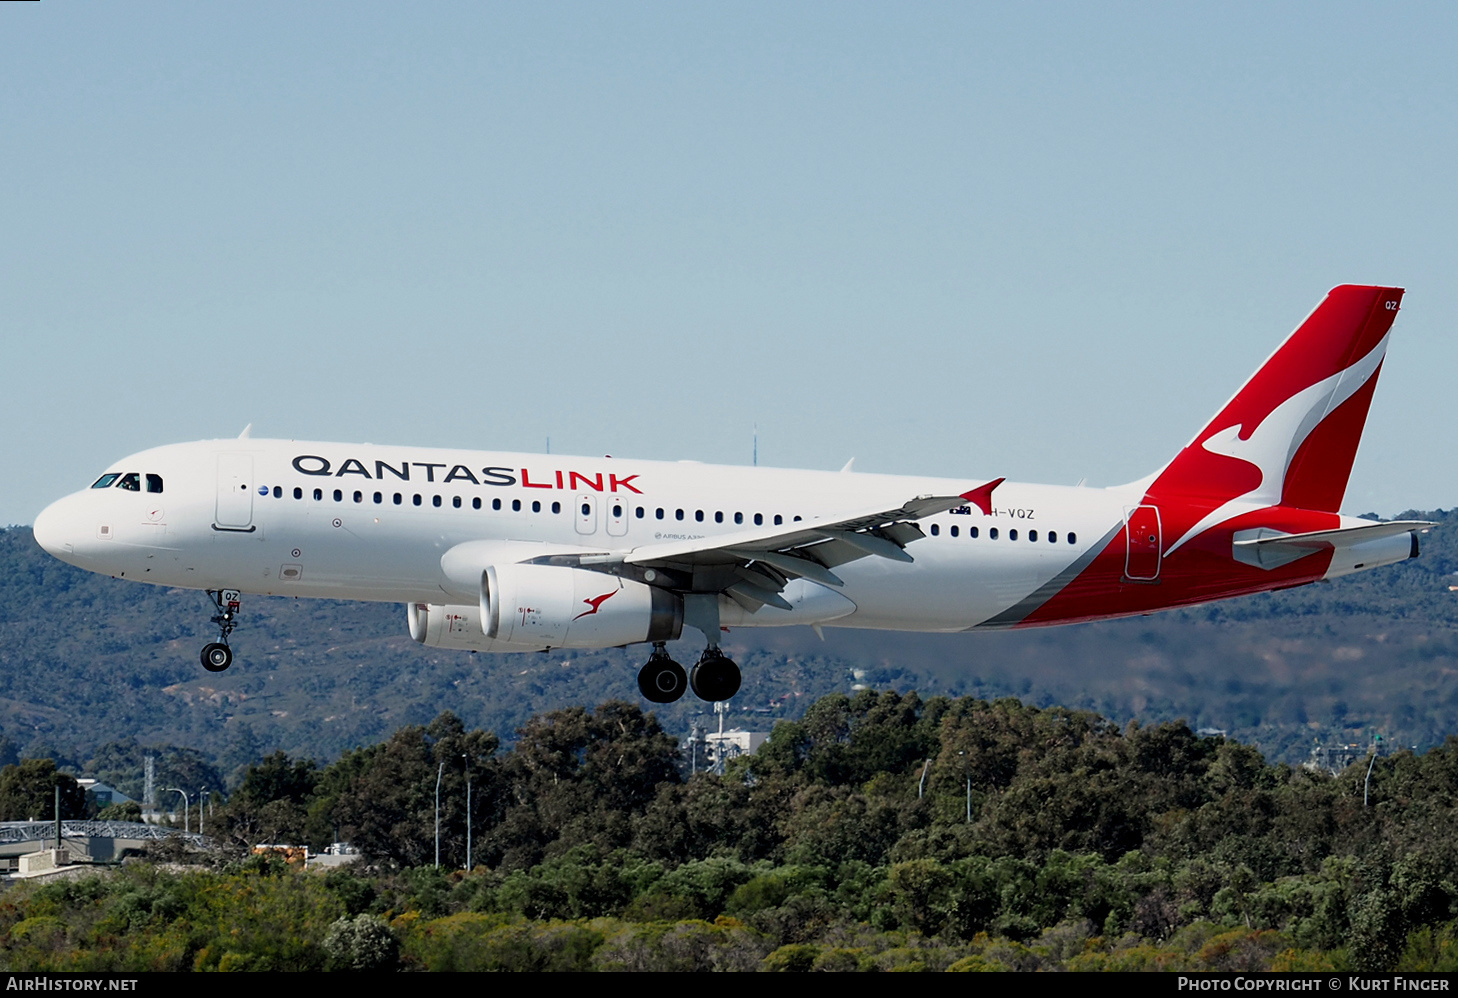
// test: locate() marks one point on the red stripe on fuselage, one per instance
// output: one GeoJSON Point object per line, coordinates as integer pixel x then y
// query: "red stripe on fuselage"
{"type": "Point", "coordinates": [1198, 572]}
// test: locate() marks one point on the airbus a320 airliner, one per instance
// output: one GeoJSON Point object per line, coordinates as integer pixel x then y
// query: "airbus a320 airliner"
{"type": "Point", "coordinates": [500, 552]}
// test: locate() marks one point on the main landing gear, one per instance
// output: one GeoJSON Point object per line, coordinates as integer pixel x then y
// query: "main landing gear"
{"type": "Point", "coordinates": [216, 655]}
{"type": "Point", "coordinates": [662, 680]}
{"type": "Point", "coordinates": [714, 677]}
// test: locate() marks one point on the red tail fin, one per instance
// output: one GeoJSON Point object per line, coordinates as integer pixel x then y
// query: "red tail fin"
{"type": "Point", "coordinates": [1289, 436]}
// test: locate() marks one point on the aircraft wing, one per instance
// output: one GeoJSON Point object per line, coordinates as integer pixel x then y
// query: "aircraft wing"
{"type": "Point", "coordinates": [753, 566]}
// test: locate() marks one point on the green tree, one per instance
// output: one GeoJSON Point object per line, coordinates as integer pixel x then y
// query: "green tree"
{"type": "Point", "coordinates": [272, 801]}
{"type": "Point", "coordinates": [578, 777]}
{"type": "Point", "coordinates": [387, 808]}
{"type": "Point", "coordinates": [28, 792]}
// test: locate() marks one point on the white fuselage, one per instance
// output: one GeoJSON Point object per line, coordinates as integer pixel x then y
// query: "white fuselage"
{"type": "Point", "coordinates": [366, 522]}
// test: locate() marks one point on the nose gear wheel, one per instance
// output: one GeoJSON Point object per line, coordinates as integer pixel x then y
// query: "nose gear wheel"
{"type": "Point", "coordinates": [216, 656]}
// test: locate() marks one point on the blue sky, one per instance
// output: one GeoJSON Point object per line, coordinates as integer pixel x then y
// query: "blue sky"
{"type": "Point", "coordinates": [1042, 241]}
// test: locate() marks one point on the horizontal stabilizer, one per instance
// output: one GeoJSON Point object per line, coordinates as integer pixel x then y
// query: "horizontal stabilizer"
{"type": "Point", "coordinates": [1267, 549]}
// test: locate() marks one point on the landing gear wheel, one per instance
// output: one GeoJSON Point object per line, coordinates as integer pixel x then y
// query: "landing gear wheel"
{"type": "Point", "coordinates": [662, 680]}
{"type": "Point", "coordinates": [216, 657]}
{"type": "Point", "coordinates": [715, 677]}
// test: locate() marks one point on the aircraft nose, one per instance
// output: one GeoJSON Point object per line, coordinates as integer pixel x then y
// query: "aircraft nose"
{"type": "Point", "coordinates": [51, 531]}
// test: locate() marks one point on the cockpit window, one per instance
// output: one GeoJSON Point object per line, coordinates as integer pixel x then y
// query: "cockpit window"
{"type": "Point", "coordinates": [131, 481]}
{"type": "Point", "coordinates": [107, 480]}
{"type": "Point", "coordinates": [154, 483]}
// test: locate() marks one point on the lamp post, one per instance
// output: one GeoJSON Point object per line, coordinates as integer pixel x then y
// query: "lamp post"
{"type": "Point", "coordinates": [438, 773]}
{"type": "Point", "coordinates": [1367, 783]}
{"type": "Point", "coordinates": [186, 818]}
{"type": "Point", "coordinates": [467, 759]}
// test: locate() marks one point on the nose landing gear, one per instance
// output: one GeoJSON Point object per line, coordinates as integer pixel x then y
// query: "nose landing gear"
{"type": "Point", "coordinates": [216, 655]}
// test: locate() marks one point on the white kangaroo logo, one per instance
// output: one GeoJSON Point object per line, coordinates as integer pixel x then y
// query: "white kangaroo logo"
{"type": "Point", "coordinates": [1274, 442]}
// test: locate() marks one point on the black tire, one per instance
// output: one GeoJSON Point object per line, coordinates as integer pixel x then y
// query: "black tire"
{"type": "Point", "coordinates": [662, 680]}
{"type": "Point", "coordinates": [715, 678]}
{"type": "Point", "coordinates": [216, 656]}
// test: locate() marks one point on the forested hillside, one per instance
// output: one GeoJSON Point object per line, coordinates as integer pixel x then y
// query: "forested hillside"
{"type": "Point", "coordinates": [879, 832]}
{"type": "Point", "coordinates": [86, 661]}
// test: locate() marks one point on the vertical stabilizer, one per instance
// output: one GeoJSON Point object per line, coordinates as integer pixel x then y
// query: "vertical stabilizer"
{"type": "Point", "coordinates": [1289, 436]}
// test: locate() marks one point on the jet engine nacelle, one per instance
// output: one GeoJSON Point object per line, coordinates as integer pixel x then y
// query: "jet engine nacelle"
{"type": "Point", "coordinates": [455, 627]}
{"type": "Point", "coordinates": [560, 607]}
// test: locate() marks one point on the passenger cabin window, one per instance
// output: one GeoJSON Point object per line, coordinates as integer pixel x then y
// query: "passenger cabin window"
{"type": "Point", "coordinates": [107, 480]}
